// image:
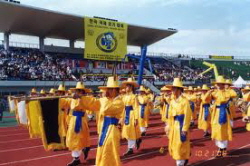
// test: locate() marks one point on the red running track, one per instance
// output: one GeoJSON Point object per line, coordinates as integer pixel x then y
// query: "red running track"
{"type": "Point", "coordinates": [17, 149]}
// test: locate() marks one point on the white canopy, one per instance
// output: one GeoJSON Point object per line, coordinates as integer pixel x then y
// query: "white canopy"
{"type": "Point", "coordinates": [239, 82]}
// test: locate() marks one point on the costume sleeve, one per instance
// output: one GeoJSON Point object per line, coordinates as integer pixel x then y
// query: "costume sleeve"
{"type": "Point", "coordinates": [233, 94]}
{"type": "Point", "coordinates": [90, 103]}
{"type": "Point", "coordinates": [141, 99]}
{"type": "Point", "coordinates": [206, 98]}
{"type": "Point", "coordinates": [188, 114]}
{"type": "Point", "coordinates": [112, 108]}
{"type": "Point", "coordinates": [136, 107]}
{"type": "Point", "coordinates": [246, 97]}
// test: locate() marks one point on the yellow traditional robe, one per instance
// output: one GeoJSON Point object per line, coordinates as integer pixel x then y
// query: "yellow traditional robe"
{"type": "Point", "coordinates": [232, 105]}
{"type": "Point", "coordinates": [192, 99]}
{"type": "Point", "coordinates": [130, 131]}
{"type": "Point", "coordinates": [246, 96]}
{"type": "Point", "coordinates": [205, 123]}
{"type": "Point", "coordinates": [63, 116]}
{"type": "Point", "coordinates": [109, 152]}
{"type": "Point", "coordinates": [78, 141]}
{"type": "Point", "coordinates": [220, 132]}
{"type": "Point", "coordinates": [248, 114]}
{"type": "Point", "coordinates": [197, 104]}
{"type": "Point", "coordinates": [165, 110]}
{"type": "Point", "coordinates": [144, 117]}
{"type": "Point", "coordinates": [179, 149]}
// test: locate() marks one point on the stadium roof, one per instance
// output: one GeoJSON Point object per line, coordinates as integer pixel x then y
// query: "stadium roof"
{"type": "Point", "coordinates": [27, 20]}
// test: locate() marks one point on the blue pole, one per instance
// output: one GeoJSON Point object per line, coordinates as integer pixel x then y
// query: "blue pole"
{"type": "Point", "coordinates": [142, 61]}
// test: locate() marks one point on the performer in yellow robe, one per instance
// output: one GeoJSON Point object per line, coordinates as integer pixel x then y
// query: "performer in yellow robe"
{"type": "Point", "coordinates": [204, 120]}
{"type": "Point", "coordinates": [43, 93]}
{"type": "Point", "coordinates": [179, 121]}
{"type": "Point", "coordinates": [247, 119]}
{"type": "Point", "coordinates": [64, 107]}
{"type": "Point", "coordinates": [110, 109]}
{"type": "Point", "coordinates": [232, 103]}
{"type": "Point", "coordinates": [144, 111]}
{"type": "Point", "coordinates": [151, 97]}
{"type": "Point", "coordinates": [52, 92]}
{"type": "Point", "coordinates": [90, 114]}
{"type": "Point", "coordinates": [222, 121]}
{"type": "Point", "coordinates": [246, 98]}
{"type": "Point", "coordinates": [246, 93]}
{"type": "Point", "coordinates": [101, 94]}
{"type": "Point", "coordinates": [112, 106]}
{"type": "Point", "coordinates": [78, 138]}
{"type": "Point", "coordinates": [130, 129]}
{"type": "Point", "coordinates": [165, 100]}
{"type": "Point", "coordinates": [197, 104]}
{"type": "Point", "coordinates": [189, 94]}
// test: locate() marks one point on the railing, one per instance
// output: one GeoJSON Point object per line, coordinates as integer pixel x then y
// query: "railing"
{"type": "Point", "coordinates": [153, 54]}
{"type": "Point", "coordinates": [187, 56]}
{"type": "Point", "coordinates": [24, 45]}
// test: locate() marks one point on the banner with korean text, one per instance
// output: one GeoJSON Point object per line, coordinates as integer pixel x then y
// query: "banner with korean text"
{"type": "Point", "coordinates": [105, 39]}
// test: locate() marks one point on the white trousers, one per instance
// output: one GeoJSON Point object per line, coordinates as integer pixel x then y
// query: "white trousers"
{"type": "Point", "coordinates": [143, 129]}
{"type": "Point", "coordinates": [131, 144]}
{"type": "Point", "coordinates": [180, 162]}
{"type": "Point", "coordinates": [90, 116]}
{"type": "Point", "coordinates": [76, 153]}
{"type": "Point", "coordinates": [221, 144]}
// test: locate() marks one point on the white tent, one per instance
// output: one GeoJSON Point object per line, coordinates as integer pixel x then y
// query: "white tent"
{"type": "Point", "coordinates": [239, 82]}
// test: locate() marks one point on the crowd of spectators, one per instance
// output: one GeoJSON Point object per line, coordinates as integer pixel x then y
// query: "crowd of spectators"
{"type": "Point", "coordinates": [168, 71]}
{"type": "Point", "coordinates": [34, 65]}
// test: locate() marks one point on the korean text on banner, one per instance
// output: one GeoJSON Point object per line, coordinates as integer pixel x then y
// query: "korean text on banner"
{"type": "Point", "coordinates": [105, 39]}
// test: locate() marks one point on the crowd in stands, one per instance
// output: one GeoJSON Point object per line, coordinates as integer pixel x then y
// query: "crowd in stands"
{"type": "Point", "coordinates": [34, 65]}
{"type": "Point", "coordinates": [168, 71]}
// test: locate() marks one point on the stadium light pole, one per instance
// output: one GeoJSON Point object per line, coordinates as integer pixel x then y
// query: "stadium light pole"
{"type": "Point", "coordinates": [142, 60]}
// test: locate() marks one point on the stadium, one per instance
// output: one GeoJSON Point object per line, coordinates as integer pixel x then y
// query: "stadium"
{"type": "Point", "coordinates": [27, 68]}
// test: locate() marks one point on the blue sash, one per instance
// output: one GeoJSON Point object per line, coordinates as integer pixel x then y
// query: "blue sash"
{"type": "Point", "coordinates": [180, 119]}
{"type": "Point", "coordinates": [142, 110]}
{"type": "Point", "coordinates": [78, 123]}
{"type": "Point", "coordinates": [192, 105]}
{"type": "Point", "coordinates": [127, 114]}
{"type": "Point", "coordinates": [223, 113]}
{"type": "Point", "coordinates": [106, 123]}
{"type": "Point", "coordinates": [206, 112]}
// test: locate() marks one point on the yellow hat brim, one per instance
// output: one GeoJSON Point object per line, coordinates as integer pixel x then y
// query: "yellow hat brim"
{"type": "Point", "coordinates": [204, 89]}
{"type": "Point", "coordinates": [243, 90]}
{"type": "Point", "coordinates": [105, 87]}
{"type": "Point", "coordinates": [85, 89]}
{"type": "Point", "coordinates": [135, 84]}
{"type": "Point", "coordinates": [174, 86]}
{"type": "Point", "coordinates": [219, 83]}
{"type": "Point", "coordinates": [60, 90]}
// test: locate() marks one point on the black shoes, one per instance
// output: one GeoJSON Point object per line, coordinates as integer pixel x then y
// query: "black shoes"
{"type": "Point", "coordinates": [143, 133]}
{"type": "Point", "coordinates": [221, 153]}
{"type": "Point", "coordinates": [138, 143]}
{"type": "Point", "coordinates": [206, 134]}
{"type": "Point", "coordinates": [85, 152]}
{"type": "Point", "coordinates": [129, 152]}
{"type": "Point", "coordinates": [186, 163]}
{"type": "Point", "coordinates": [192, 124]}
{"type": "Point", "coordinates": [75, 162]}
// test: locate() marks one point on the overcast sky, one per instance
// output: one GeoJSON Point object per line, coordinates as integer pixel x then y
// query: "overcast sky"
{"type": "Point", "coordinates": [220, 27]}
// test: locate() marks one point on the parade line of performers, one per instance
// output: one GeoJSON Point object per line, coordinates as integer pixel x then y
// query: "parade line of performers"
{"type": "Point", "coordinates": [122, 112]}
